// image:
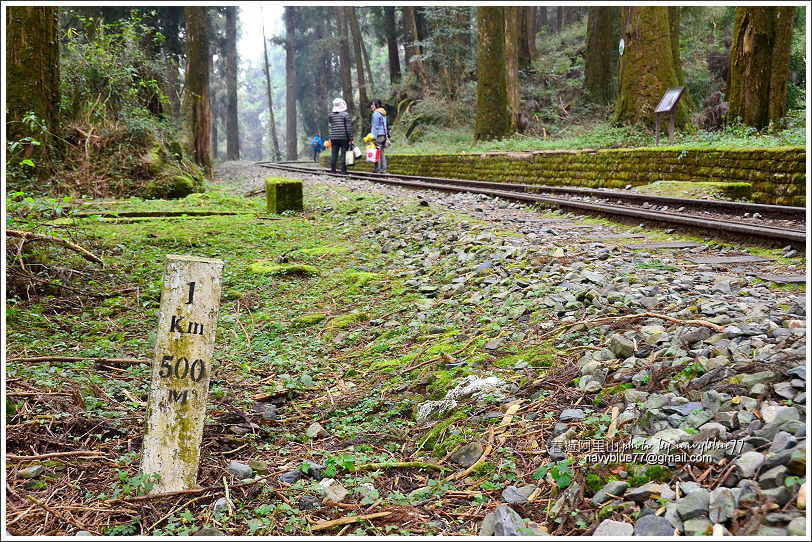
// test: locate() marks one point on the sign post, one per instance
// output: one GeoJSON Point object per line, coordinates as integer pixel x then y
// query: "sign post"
{"type": "Point", "coordinates": [668, 104]}
{"type": "Point", "coordinates": [181, 369]}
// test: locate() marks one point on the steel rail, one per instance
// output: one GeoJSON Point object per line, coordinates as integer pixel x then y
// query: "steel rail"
{"type": "Point", "coordinates": [762, 232]}
{"type": "Point", "coordinates": [782, 212]}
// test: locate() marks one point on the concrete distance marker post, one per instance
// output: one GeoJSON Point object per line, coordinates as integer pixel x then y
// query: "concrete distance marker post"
{"type": "Point", "coordinates": [184, 346]}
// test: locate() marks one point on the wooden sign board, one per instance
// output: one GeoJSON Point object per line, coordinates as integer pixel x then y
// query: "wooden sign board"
{"type": "Point", "coordinates": [668, 104]}
{"type": "Point", "coordinates": [184, 346]}
{"type": "Point", "coordinates": [669, 100]}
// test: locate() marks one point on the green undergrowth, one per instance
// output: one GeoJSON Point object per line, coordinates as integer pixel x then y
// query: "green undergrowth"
{"type": "Point", "coordinates": [604, 135]}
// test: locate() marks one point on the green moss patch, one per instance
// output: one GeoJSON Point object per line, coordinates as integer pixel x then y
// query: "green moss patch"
{"type": "Point", "coordinates": [283, 194]}
{"type": "Point", "coordinates": [346, 320]}
{"type": "Point", "coordinates": [699, 189]}
{"type": "Point", "coordinates": [320, 251]}
{"type": "Point", "coordinates": [308, 320]}
{"type": "Point", "coordinates": [360, 278]}
{"type": "Point", "coordinates": [296, 269]}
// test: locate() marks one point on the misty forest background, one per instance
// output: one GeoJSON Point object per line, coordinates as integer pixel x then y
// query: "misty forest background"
{"type": "Point", "coordinates": [141, 101]}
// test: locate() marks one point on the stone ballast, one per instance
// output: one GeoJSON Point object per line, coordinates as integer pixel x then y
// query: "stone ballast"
{"type": "Point", "coordinates": [775, 175]}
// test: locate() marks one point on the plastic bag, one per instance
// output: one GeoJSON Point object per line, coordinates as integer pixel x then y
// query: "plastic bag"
{"type": "Point", "coordinates": [349, 158]}
{"type": "Point", "coordinates": [356, 151]}
{"type": "Point", "coordinates": [373, 154]}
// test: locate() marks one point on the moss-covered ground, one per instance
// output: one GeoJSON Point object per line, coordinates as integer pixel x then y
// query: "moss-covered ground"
{"type": "Point", "coordinates": [314, 319]}
{"type": "Point", "coordinates": [349, 342]}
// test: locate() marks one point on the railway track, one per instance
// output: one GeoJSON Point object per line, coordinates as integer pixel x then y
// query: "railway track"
{"type": "Point", "coordinates": [771, 223]}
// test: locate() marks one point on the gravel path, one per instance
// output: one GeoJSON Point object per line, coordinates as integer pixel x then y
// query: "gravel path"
{"type": "Point", "coordinates": [701, 368]}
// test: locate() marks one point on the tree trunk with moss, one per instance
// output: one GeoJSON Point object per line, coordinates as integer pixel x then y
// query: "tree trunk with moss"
{"type": "Point", "coordinates": [530, 32]}
{"type": "Point", "coordinates": [673, 23]}
{"type": "Point", "coordinates": [363, 99]}
{"type": "Point", "coordinates": [493, 115]}
{"type": "Point", "coordinates": [32, 85]}
{"type": "Point", "coordinates": [542, 24]}
{"type": "Point", "coordinates": [759, 64]}
{"type": "Point", "coordinates": [600, 59]}
{"type": "Point", "coordinates": [276, 155]}
{"type": "Point", "coordinates": [214, 107]}
{"type": "Point", "coordinates": [232, 126]}
{"type": "Point", "coordinates": [196, 106]}
{"type": "Point", "coordinates": [291, 139]}
{"type": "Point", "coordinates": [413, 52]}
{"type": "Point", "coordinates": [646, 68]}
{"type": "Point", "coordinates": [392, 44]}
{"type": "Point", "coordinates": [512, 58]}
{"type": "Point", "coordinates": [344, 60]}
{"type": "Point", "coordinates": [522, 39]}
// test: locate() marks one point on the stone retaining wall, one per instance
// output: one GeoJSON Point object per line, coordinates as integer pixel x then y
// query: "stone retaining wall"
{"type": "Point", "coordinates": [775, 176]}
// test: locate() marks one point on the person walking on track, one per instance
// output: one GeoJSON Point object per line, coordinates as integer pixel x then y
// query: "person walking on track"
{"type": "Point", "coordinates": [341, 132]}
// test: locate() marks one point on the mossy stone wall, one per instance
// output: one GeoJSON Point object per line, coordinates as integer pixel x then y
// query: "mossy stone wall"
{"type": "Point", "coordinates": [777, 176]}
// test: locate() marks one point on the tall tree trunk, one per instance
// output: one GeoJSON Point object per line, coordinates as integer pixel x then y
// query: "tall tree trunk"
{"type": "Point", "coordinates": [392, 44]}
{"type": "Point", "coordinates": [232, 125]}
{"type": "Point", "coordinates": [32, 84]}
{"type": "Point", "coordinates": [541, 22]}
{"type": "Point", "coordinates": [173, 90]}
{"type": "Point", "coordinates": [275, 141]}
{"type": "Point", "coordinates": [363, 100]}
{"type": "Point", "coordinates": [532, 15]}
{"type": "Point", "coordinates": [215, 115]}
{"type": "Point", "coordinates": [413, 59]}
{"type": "Point", "coordinates": [214, 106]}
{"type": "Point", "coordinates": [512, 54]}
{"type": "Point", "coordinates": [325, 79]}
{"type": "Point", "coordinates": [673, 23]}
{"type": "Point", "coordinates": [559, 19]}
{"type": "Point", "coordinates": [759, 64]}
{"type": "Point", "coordinates": [368, 68]}
{"type": "Point", "coordinates": [646, 68]}
{"type": "Point", "coordinates": [344, 60]}
{"type": "Point", "coordinates": [291, 139]}
{"type": "Point", "coordinates": [493, 116]}
{"type": "Point", "coordinates": [196, 90]}
{"type": "Point", "coordinates": [600, 59]}
{"type": "Point", "coordinates": [522, 37]}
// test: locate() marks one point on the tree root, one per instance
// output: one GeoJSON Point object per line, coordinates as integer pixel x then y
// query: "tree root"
{"type": "Point", "coordinates": [30, 236]}
{"type": "Point", "coordinates": [398, 465]}
{"type": "Point", "coordinates": [114, 361]}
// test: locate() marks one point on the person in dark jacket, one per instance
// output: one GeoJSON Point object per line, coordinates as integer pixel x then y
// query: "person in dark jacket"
{"type": "Point", "coordinates": [317, 145]}
{"type": "Point", "coordinates": [341, 132]}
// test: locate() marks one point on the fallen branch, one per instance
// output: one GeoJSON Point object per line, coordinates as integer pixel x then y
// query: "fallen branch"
{"type": "Point", "coordinates": [555, 333]}
{"type": "Point", "coordinates": [398, 465]}
{"type": "Point", "coordinates": [150, 214]}
{"type": "Point", "coordinates": [422, 364]}
{"type": "Point", "coordinates": [68, 359]}
{"type": "Point", "coordinates": [217, 487]}
{"type": "Point", "coordinates": [29, 236]}
{"type": "Point", "coordinates": [60, 516]}
{"type": "Point", "coordinates": [711, 325]}
{"type": "Point", "coordinates": [12, 457]}
{"type": "Point", "coordinates": [346, 520]}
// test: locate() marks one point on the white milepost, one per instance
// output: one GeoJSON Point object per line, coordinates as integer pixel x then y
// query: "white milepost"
{"type": "Point", "coordinates": [184, 346]}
